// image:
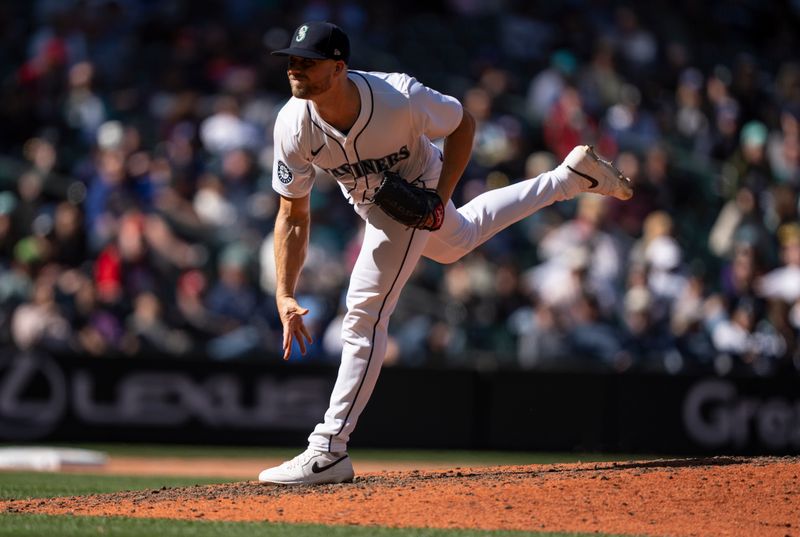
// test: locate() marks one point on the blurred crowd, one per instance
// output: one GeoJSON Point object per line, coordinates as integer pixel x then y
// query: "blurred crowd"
{"type": "Point", "coordinates": [136, 210]}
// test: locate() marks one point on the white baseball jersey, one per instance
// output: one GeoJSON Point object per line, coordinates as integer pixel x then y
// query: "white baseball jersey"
{"type": "Point", "coordinates": [398, 119]}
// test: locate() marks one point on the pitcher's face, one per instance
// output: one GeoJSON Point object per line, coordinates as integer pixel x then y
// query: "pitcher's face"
{"type": "Point", "coordinates": [309, 78]}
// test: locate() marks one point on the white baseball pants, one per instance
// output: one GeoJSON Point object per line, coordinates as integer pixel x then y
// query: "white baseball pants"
{"type": "Point", "coordinates": [388, 256]}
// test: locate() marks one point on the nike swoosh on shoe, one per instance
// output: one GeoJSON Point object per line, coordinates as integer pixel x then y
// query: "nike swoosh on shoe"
{"type": "Point", "coordinates": [317, 469]}
{"type": "Point", "coordinates": [592, 181]}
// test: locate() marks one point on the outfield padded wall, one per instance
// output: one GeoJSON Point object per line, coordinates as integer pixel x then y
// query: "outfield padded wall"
{"type": "Point", "coordinates": [78, 399]}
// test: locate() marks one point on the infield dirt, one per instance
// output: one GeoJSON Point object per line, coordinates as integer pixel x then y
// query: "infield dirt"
{"type": "Point", "coordinates": [720, 496]}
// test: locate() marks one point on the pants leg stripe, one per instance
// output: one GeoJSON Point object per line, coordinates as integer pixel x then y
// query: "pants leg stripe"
{"type": "Point", "coordinates": [372, 339]}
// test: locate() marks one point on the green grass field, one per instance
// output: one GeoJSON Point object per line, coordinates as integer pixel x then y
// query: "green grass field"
{"type": "Point", "coordinates": [37, 525]}
{"type": "Point", "coordinates": [25, 485]}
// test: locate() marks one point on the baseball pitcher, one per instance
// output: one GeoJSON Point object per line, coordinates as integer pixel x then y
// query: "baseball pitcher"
{"type": "Point", "coordinates": [372, 132]}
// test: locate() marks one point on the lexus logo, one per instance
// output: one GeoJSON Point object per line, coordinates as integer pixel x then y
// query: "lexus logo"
{"type": "Point", "coordinates": [33, 395]}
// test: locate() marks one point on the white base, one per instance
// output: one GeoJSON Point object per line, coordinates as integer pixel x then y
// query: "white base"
{"type": "Point", "coordinates": [47, 458]}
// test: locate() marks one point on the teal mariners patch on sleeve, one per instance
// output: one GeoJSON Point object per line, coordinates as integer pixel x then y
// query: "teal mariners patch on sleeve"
{"type": "Point", "coordinates": [284, 173]}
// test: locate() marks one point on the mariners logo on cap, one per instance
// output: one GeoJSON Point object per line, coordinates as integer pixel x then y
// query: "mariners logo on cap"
{"type": "Point", "coordinates": [301, 33]}
{"type": "Point", "coordinates": [284, 173]}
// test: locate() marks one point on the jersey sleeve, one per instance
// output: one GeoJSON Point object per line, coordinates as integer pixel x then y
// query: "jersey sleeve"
{"type": "Point", "coordinates": [292, 172]}
{"type": "Point", "coordinates": [437, 115]}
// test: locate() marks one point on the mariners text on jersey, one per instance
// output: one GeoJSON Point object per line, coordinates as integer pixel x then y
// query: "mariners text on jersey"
{"type": "Point", "coordinates": [370, 165]}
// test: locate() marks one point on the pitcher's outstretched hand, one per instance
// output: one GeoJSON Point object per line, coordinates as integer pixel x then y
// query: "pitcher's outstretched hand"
{"type": "Point", "coordinates": [293, 326]}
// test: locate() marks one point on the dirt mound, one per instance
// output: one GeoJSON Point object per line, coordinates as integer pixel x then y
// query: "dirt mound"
{"type": "Point", "coordinates": [721, 496]}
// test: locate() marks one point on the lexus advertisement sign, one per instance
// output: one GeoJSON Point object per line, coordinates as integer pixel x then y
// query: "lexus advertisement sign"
{"type": "Point", "coordinates": [71, 398]}
{"type": "Point", "coordinates": [33, 396]}
{"type": "Point", "coordinates": [67, 398]}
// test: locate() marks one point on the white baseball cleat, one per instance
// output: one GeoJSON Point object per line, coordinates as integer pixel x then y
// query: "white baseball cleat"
{"type": "Point", "coordinates": [311, 467]}
{"type": "Point", "coordinates": [597, 175]}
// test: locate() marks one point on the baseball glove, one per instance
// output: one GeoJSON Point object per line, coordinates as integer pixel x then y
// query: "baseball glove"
{"type": "Point", "coordinates": [410, 205]}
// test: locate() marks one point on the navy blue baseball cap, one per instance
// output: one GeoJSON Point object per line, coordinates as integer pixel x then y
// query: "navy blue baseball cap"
{"type": "Point", "coordinates": [318, 41]}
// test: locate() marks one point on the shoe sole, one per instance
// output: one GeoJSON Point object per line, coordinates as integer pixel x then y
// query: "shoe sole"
{"type": "Point", "coordinates": [306, 483]}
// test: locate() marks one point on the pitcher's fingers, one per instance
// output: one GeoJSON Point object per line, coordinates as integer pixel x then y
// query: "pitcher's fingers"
{"type": "Point", "coordinates": [287, 344]}
{"type": "Point", "coordinates": [287, 338]}
{"type": "Point", "coordinates": [306, 334]}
